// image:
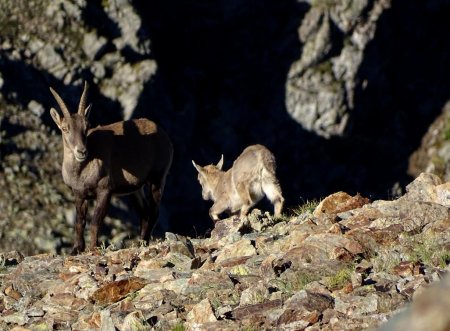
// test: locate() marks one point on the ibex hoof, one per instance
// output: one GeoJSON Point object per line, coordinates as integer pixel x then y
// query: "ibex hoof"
{"type": "Point", "coordinates": [76, 250]}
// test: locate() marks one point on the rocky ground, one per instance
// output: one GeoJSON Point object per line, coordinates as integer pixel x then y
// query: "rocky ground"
{"type": "Point", "coordinates": [343, 264]}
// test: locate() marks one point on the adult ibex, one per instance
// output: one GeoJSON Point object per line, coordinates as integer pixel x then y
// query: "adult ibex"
{"type": "Point", "coordinates": [118, 158]}
{"type": "Point", "coordinates": [250, 179]}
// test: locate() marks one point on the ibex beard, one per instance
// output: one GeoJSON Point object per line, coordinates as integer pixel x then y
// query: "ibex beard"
{"type": "Point", "coordinates": [119, 158]}
{"type": "Point", "coordinates": [238, 189]}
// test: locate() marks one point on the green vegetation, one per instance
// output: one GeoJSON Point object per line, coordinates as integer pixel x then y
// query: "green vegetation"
{"type": "Point", "coordinates": [307, 207]}
{"type": "Point", "coordinates": [281, 218]}
{"type": "Point", "coordinates": [325, 67]}
{"type": "Point", "coordinates": [444, 259]}
{"type": "Point", "coordinates": [427, 249]}
{"type": "Point", "coordinates": [2, 263]}
{"type": "Point", "coordinates": [446, 130]}
{"type": "Point", "coordinates": [301, 281]}
{"type": "Point", "coordinates": [439, 165]}
{"type": "Point", "coordinates": [421, 248]}
{"type": "Point", "coordinates": [248, 328]}
{"type": "Point", "coordinates": [340, 279]}
{"type": "Point", "coordinates": [179, 327]}
{"type": "Point", "coordinates": [295, 281]}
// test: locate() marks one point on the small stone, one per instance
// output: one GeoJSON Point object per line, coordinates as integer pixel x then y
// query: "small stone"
{"type": "Point", "coordinates": [134, 321]}
{"type": "Point", "coordinates": [240, 248]}
{"type": "Point", "coordinates": [12, 293]}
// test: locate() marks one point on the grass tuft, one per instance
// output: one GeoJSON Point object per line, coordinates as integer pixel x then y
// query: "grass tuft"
{"type": "Point", "coordinates": [307, 207]}
{"type": "Point", "coordinates": [179, 327]}
{"type": "Point", "coordinates": [340, 279]}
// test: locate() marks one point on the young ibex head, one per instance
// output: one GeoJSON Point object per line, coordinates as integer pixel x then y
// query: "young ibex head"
{"type": "Point", "coordinates": [208, 177]}
{"type": "Point", "coordinates": [74, 127]}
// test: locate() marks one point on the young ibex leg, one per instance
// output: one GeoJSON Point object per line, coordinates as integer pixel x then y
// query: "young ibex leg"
{"type": "Point", "coordinates": [246, 199]}
{"type": "Point", "coordinates": [101, 207]}
{"type": "Point", "coordinates": [272, 191]}
{"type": "Point", "coordinates": [217, 208]}
{"type": "Point", "coordinates": [80, 223]}
{"type": "Point", "coordinates": [214, 216]}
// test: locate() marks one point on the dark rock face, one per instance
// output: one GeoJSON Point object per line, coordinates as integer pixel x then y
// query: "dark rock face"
{"type": "Point", "coordinates": [341, 92]}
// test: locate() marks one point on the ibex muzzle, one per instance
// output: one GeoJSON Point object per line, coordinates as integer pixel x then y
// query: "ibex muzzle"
{"type": "Point", "coordinates": [236, 190]}
{"type": "Point", "coordinates": [118, 158]}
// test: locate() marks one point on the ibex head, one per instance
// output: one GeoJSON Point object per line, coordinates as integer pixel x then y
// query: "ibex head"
{"type": "Point", "coordinates": [208, 177]}
{"type": "Point", "coordinates": [74, 127]}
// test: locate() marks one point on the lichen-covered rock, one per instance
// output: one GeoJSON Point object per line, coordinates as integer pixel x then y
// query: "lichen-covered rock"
{"type": "Point", "coordinates": [320, 86]}
{"type": "Point", "coordinates": [433, 155]}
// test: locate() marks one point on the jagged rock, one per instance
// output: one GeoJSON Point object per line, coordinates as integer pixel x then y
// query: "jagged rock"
{"type": "Point", "coordinates": [254, 294]}
{"type": "Point", "coordinates": [115, 291]}
{"type": "Point", "coordinates": [427, 311]}
{"type": "Point", "coordinates": [311, 301]}
{"type": "Point", "coordinates": [338, 203]}
{"type": "Point", "coordinates": [127, 83]}
{"type": "Point", "coordinates": [153, 273]}
{"type": "Point", "coordinates": [240, 248]}
{"type": "Point", "coordinates": [246, 312]}
{"type": "Point", "coordinates": [356, 306]}
{"type": "Point", "coordinates": [133, 322]}
{"type": "Point", "coordinates": [319, 75]}
{"type": "Point", "coordinates": [428, 187]}
{"type": "Point", "coordinates": [433, 155]}
{"type": "Point", "coordinates": [93, 44]}
{"type": "Point", "coordinates": [201, 313]}
{"type": "Point", "coordinates": [223, 228]}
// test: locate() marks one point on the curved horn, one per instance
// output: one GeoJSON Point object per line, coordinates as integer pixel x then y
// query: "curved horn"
{"type": "Point", "coordinates": [61, 103]}
{"type": "Point", "coordinates": [219, 165]}
{"type": "Point", "coordinates": [82, 104]}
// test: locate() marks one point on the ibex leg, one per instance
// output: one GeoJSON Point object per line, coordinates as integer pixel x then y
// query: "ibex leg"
{"type": "Point", "coordinates": [80, 223]}
{"type": "Point", "coordinates": [246, 199]}
{"type": "Point", "coordinates": [101, 207]}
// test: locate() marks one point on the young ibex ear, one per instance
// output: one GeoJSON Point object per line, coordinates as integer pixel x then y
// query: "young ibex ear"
{"type": "Point", "coordinates": [56, 117]}
{"type": "Point", "coordinates": [219, 165]}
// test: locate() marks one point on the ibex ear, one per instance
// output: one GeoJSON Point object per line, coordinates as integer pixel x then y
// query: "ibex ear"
{"type": "Point", "coordinates": [220, 164]}
{"type": "Point", "coordinates": [56, 117]}
{"type": "Point", "coordinates": [87, 111]}
{"type": "Point", "coordinates": [199, 169]}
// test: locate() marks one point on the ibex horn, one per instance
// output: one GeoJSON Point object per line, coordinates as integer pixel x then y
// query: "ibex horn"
{"type": "Point", "coordinates": [82, 105]}
{"type": "Point", "coordinates": [61, 103]}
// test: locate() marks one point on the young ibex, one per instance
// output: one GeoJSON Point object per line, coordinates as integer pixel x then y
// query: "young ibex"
{"type": "Point", "coordinates": [118, 158]}
{"type": "Point", "coordinates": [250, 179]}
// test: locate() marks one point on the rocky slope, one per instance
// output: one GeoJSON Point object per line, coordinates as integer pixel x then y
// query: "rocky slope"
{"type": "Point", "coordinates": [341, 91]}
{"type": "Point", "coordinates": [433, 155]}
{"type": "Point", "coordinates": [348, 264]}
